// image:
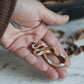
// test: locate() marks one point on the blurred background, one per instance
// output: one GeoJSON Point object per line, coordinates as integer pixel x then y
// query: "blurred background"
{"type": "Point", "coordinates": [73, 8]}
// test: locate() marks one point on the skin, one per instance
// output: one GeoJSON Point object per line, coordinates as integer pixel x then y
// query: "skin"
{"type": "Point", "coordinates": [32, 15]}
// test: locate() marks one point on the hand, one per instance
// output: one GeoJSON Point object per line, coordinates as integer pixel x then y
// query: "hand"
{"type": "Point", "coordinates": [18, 41]}
{"type": "Point", "coordinates": [31, 13]}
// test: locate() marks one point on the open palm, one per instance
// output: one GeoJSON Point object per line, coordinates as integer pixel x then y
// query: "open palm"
{"type": "Point", "coordinates": [19, 40]}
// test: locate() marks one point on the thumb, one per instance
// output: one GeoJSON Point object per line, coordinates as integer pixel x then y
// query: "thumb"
{"type": "Point", "coordinates": [52, 18]}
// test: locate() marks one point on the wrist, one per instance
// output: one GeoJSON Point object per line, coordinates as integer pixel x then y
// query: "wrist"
{"type": "Point", "coordinates": [6, 11]}
{"type": "Point", "coordinates": [9, 36]}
